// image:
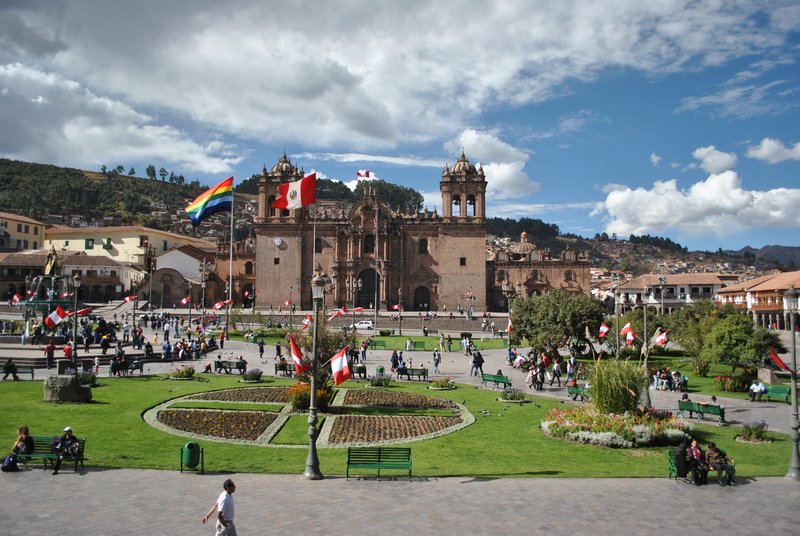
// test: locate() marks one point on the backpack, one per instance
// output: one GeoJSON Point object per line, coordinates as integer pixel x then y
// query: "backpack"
{"type": "Point", "coordinates": [9, 464]}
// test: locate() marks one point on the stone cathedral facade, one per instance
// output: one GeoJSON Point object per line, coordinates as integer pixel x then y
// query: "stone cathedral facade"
{"type": "Point", "coordinates": [423, 261]}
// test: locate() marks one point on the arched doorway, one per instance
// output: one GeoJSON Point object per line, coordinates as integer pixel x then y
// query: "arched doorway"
{"type": "Point", "coordinates": [368, 295]}
{"type": "Point", "coordinates": [422, 299]}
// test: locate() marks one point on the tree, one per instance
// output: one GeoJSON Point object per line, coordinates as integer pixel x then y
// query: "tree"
{"type": "Point", "coordinates": [732, 341]}
{"type": "Point", "coordinates": [119, 169]}
{"type": "Point", "coordinates": [131, 172]}
{"type": "Point", "coordinates": [549, 321]}
{"type": "Point", "coordinates": [690, 325]}
{"type": "Point", "coordinates": [103, 169]}
{"type": "Point", "coordinates": [163, 174]}
{"type": "Point", "coordinates": [151, 172]}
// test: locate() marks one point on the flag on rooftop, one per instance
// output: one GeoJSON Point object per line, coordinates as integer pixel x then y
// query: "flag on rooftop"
{"type": "Point", "coordinates": [365, 173]}
{"type": "Point", "coordinates": [216, 199]}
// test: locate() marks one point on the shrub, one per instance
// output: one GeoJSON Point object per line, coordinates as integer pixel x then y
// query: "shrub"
{"type": "Point", "coordinates": [466, 334]}
{"type": "Point", "coordinates": [252, 375]}
{"type": "Point", "coordinates": [186, 372]}
{"type": "Point", "coordinates": [88, 378]}
{"type": "Point", "coordinates": [754, 431]}
{"type": "Point", "coordinates": [443, 383]}
{"type": "Point", "coordinates": [737, 384]}
{"type": "Point", "coordinates": [386, 332]}
{"type": "Point", "coordinates": [615, 385]}
{"type": "Point", "coordinates": [512, 393]}
{"type": "Point", "coordinates": [379, 380]}
{"type": "Point", "coordinates": [300, 396]}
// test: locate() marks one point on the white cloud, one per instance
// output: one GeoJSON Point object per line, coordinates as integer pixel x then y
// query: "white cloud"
{"type": "Point", "coordinates": [773, 151]}
{"type": "Point", "coordinates": [655, 159]}
{"type": "Point", "coordinates": [714, 161]}
{"type": "Point", "coordinates": [73, 126]}
{"type": "Point", "coordinates": [744, 101]}
{"type": "Point", "coordinates": [503, 164]}
{"type": "Point", "coordinates": [719, 205]}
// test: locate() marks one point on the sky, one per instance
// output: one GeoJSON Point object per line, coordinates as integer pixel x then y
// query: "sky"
{"type": "Point", "coordinates": [676, 119]}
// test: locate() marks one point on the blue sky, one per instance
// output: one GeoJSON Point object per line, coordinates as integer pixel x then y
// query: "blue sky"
{"type": "Point", "coordinates": [677, 119]}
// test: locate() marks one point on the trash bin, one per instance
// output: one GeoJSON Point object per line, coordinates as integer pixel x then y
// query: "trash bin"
{"type": "Point", "coordinates": [63, 364]}
{"type": "Point", "coordinates": [379, 370]}
{"type": "Point", "coordinates": [190, 455]}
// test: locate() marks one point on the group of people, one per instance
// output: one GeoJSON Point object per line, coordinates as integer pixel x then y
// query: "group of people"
{"type": "Point", "coordinates": [666, 380]}
{"type": "Point", "coordinates": [64, 446]}
{"type": "Point", "coordinates": [690, 458]}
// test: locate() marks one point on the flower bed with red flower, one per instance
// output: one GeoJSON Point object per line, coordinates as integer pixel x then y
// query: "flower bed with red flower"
{"type": "Point", "coordinates": [586, 425]}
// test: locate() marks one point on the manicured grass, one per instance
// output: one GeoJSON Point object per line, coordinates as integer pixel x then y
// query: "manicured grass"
{"type": "Point", "coordinates": [507, 442]}
{"type": "Point", "coordinates": [295, 431]}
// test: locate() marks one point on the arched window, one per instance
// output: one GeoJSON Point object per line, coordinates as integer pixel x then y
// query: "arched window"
{"type": "Point", "coordinates": [501, 275]}
{"type": "Point", "coordinates": [269, 204]}
{"type": "Point", "coordinates": [248, 268]}
{"type": "Point", "coordinates": [369, 244]}
{"type": "Point", "coordinates": [471, 205]}
{"type": "Point", "coordinates": [568, 275]}
{"type": "Point", "coordinates": [317, 245]}
{"type": "Point", "coordinates": [423, 246]}
{"type": "Point", "coordinates": [456, 202]}
{"type": "Point", "coordinates": [535, 275]}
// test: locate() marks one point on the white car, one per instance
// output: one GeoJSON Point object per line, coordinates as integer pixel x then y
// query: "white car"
{"type": "Point", "coordinates": [362, 324]}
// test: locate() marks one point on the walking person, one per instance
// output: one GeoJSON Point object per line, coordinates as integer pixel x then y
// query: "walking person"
{"type": "Point", "coordinates": [477, 365]}
{"type": "Point", "coordinates": [437, 358]}
{"type": "Point", "coordinates": [225, 510]}
{"type": "Point", "coordinates": [556, 372]}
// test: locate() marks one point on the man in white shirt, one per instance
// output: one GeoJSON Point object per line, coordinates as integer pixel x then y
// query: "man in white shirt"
{"type": "Point", "coordinates": [756, 391]}
{"type": "Point", "coordinates": [225, 510]}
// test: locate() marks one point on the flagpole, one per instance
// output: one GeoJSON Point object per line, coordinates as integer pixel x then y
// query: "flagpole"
{"type": "Point", "coordinates": [230, 273]}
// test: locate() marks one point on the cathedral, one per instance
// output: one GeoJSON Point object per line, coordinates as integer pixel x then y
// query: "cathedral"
{"type": "Point", "coordinates": [420, 261]}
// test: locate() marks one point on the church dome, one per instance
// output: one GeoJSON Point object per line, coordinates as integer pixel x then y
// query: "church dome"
{"type": "Point", "coordinates": [283, 167]}
{"type": "Point", "coordinates": [463, 166]}
{"type": "Point", "coordinates": [523, 247]}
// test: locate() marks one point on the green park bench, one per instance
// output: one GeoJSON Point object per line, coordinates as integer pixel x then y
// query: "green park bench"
{"type": "Point", "coordinates": [24, 369]}
{"type": "Point", "coordinates": [284, 369]}
{"type": "Point", "coordinates": [359, 370]}
{"type": "Point", "coordinates": [701, 410]}
{"type": "Point", "coordinates": [378, 458]}
{"type": "Point", "coordinates": [420, 373]}
{"type": "Point", "coordinates": [777, 391]}
{"type": "Point", "coordinates": [418, 345]}
{"type": "Point", "coordinates": [497, 379]}
{"type": "Point", "coordinates": [228, 366]}
{"type": "Point", "coordinates": [43, 452]}
{"type": "Point", "coordinates": [378, 344]}
{"type": "Point", "coordinates": [577, 391]}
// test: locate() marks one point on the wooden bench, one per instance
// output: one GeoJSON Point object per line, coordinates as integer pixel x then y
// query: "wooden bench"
{"type": "Point", "coordinates": [378, 344]}
{"type": "Point", "coordinates": [701, 410]}
{"type": "Point", "coordinates": [43, 451]}
{"type": "Point", "coordinates": [125, 369]}
{"type": "Point", "coordinates": [359, 370]}
{"type": "Point", "coordinates": [420, 373]}
{"type": "Point", "coordinates": [777, 391]}
{"type": "Point", "coordinates": [497, 379]}
{"type": "Point", "coordinates": [23, 369]}
{"type": "Point", "coordinates": [228, 366]}
{"type": "Point", "coordinates": [577, 391]}
{"type": "Point", "coordinates": [284, 369]}
{"type": "Point", "coordinates": [378, 458]}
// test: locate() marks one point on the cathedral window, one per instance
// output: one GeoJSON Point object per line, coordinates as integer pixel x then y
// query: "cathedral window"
{"type": "Point", "coordinates": [463, 261]}
{"type": "Point", "coordinates": [423, 246]}
{"type": "Point", "coordinates": [248, 268]}
{"type": "Point", "coordinates": [318, 245]}
{"type": "Point", "coordinates": [369, 244]}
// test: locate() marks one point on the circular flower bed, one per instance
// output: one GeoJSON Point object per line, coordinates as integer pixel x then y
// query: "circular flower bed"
{"type": "Point", "coordinates": [587, 425]}
{"type": "Point", "coordinates": [247, 425]}
{"type": "Point", "coordinates": [374, 428]}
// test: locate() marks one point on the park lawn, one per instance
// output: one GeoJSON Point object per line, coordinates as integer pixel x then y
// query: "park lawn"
{"type": "Point", "coordinates": [295, 431]}
{"type": "Point", "coordinates": [398, 342]}
{"type": "Point", "coordinates": [507, 442]}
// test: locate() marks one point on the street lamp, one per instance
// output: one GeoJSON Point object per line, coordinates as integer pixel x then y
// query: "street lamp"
{"type": "Point", "coordinates": [202, 297]}
{"type": "Point", "coordinates": [616, 316]}
{"type": "Point", "coordinates": [312, 461]}
{"type": "Point", "coordinates": [662, 281]}
{"type": "Point", "coordinates": [510, 292]}
{"type": "Point", "coordinates": [227, 307]}
{"type": "Point", "coordinates": [400, 304]}
{"type": "Point", "coordinates": [291, 303]}
{"type": "Point", "coordinates": [790, 303]}
{"type": "Point", "coordinates": [162, 297]}
{"type": "Point", "coordinates": [355, 287]}
{"type": "Point", "coordinates": [76, 280]}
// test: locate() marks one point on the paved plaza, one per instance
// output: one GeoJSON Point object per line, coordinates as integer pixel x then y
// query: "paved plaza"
{"type": "Point", "coordinates": [126, 501]}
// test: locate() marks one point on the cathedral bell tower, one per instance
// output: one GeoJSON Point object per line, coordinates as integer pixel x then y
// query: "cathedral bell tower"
{"type": "Point", "coordinates": [463, 190]}
{"type": "Point", "coordinates": [282, 172]}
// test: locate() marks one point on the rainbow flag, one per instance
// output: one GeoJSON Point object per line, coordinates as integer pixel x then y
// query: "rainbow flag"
{"type": "Point", "coordinates": [215, 199]}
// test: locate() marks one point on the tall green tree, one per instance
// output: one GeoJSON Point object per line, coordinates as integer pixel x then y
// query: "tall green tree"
{"type": "Point", "coordinates": [163, 174]}
{"type": "Point", "coordinates": [151, 172]}
{"type": "Point", "coordinates": [732, 341]}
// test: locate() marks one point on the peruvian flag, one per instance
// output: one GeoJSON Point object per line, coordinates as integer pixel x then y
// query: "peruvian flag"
{"type": "Point", "coordinates": [365, 173]}
{"type": "Point", "coordinates": [186, 300]}
{"type": "Point", "coordinates": [81, 312]}
{"type": "Point", "coordinates": [340, 312]}
{"type": "Point", "coordinates": [626, 329]}
{"type": "Point", "coordinates": [297, 357]}
{"type": "Point", "coordinates": [396, 307]}
{"type": "Point", "coordinates": [223, 303]}
{"type": "Point", "coordinates": [603, 330]}
{"type": "Point", "coordinates": [630, 337]}
{"type": "Point", "coordinates": [341, 371]}
{"type": "Point", "coordinates": [508, 329]}
{"type": "Point", "coordinates": [65, 295]}
{"type": "Point", "coordinates": [357, 309]}
{"type": "Point", "coordinates": [307, 321]}
{"type": "Point", "coordinates": [15, 299]}
{"type": "Point", "coordinates": [297, 194]}
{"type": "Point", "coordinates": [55, 318]}
{"type": "Point", "coordinates": [287, 303]}
{"type": "Point", "coordinates": [661, 340]}
{"type": "Point", "coordinates": [778, 361]}
{"type": "Point", "coordinates": [128, 299]}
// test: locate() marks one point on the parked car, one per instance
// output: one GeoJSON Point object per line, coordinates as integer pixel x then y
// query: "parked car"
{"type": "Point", "coordinates": [362, 324]}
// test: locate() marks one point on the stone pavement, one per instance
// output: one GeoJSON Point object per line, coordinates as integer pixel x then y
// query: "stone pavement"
{"type": "Point", "coordinates": [126, 501]}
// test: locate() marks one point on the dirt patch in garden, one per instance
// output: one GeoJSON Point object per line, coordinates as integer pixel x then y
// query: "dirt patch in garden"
{"type": "Point", "coordinates": [373, 428]}
{"type": "Point", "coordinates": [383, 398]}
{"type": "Point", "coordinates": [254, 394]}
{"type": "Point", "coordinates": [246, 425]}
